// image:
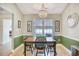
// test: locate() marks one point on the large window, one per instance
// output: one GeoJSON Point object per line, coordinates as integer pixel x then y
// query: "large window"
{"type": "Point", "coordinates": [45, 27]}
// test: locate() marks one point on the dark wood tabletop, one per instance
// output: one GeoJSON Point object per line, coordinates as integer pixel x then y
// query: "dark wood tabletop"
{"type": "Point", "coordinates": [33, 40]}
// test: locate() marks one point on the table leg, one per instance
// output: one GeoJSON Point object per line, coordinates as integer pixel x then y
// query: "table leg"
{"type": "Point", "coordinates": [55, 49]}
{"type": "Point", "coordinates": [24, 48]}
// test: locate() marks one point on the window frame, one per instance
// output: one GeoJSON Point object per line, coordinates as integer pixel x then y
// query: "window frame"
{"type": "Point", "coordinates": [44, 27]}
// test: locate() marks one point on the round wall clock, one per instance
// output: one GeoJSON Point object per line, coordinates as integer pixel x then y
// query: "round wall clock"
{"type": "Point", "coordinates": [72, 20]}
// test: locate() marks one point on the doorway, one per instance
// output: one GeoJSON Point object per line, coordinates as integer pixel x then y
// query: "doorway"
{"type": "Point", "coordinates": [5, 32]}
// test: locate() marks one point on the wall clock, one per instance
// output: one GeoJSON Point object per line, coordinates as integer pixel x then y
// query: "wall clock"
{"type": "Point", "coordinates": [72, 20]}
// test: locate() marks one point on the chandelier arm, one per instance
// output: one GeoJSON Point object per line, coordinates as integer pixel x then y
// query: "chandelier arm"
{"type": "Point", "coordinates": [43, 12]}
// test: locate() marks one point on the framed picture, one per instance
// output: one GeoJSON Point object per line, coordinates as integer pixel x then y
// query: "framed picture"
{"type": "Point", "coordinates": [29, 26]}
{"type": "Point", "coordinates": [57, 26]}
{"type": "Point", "coordinates": [19, 24]}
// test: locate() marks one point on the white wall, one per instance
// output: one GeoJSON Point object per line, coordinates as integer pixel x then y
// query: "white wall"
{"type": "Point", "coordinates": [35, 16]}
{"type": "Point", "coordinates": [1, 31]}
{"type": "Point", "coordinates": [12, 8]}
{"type": "Point", "coordinates": [16, 15]}
{"type": "Point", "coordinates": [72, 33]}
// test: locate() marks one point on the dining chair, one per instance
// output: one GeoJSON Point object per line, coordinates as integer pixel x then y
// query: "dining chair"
{"type": "Point", "coordinates": [50, 46]}
{"type": "Point", "coordinates": [29, 46]}
{"type": "Point", "coordinates": [41, 45]}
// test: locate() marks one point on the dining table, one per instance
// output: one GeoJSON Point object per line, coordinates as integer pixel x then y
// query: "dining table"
{"type": "Point", "coordinates": [33, 41]}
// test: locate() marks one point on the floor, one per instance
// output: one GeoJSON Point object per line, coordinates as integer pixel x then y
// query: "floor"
{"type": "Point", "coordinates": [39, 54]}
{"type": "Point", "coordinates": [5, 49]}
{"type": "Point", "coordinates": [19, 52]}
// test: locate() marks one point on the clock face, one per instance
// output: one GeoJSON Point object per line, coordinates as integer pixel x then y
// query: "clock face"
{"type": "Point", "coordinates": [72, 20]}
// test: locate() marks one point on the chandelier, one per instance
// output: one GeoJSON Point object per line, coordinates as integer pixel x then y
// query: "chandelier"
{"type": "Point", "coordinates": [43, 11]}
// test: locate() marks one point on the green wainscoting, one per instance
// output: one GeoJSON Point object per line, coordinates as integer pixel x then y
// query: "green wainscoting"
{"type": "Point", "coordinates": [18, 41]}
{"type": "Point", "coordinates": [67, 42]}
{"type": "Point", "coordinates": [58, 39]}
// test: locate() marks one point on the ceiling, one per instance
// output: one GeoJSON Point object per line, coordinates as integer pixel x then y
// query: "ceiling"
{"type": "Point", "coordinates": [3, 11]}
{"type": "Point", "coordinates": [33, 8]}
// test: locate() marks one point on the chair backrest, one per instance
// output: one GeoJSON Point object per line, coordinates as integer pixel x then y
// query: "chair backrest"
{"type": "Point", "coordinates": [41, 44]}
{"type": "Point", "coordinates": [40, 36]}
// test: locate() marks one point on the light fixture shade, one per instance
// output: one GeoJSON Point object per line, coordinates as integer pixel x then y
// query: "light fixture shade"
{"type": "Point", "coordinates": [43, 13]}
